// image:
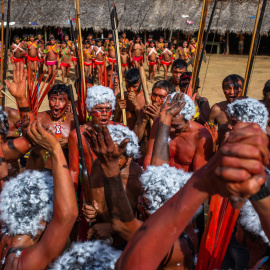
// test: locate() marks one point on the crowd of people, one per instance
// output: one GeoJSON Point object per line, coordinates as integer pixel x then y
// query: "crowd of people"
{"type": "Point", "coordinates": [150, 181]}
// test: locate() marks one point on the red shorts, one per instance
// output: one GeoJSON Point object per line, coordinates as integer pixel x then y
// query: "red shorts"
{"type": "Point", "coordinates": [88, 64]}
{"type": "Point", "coordinates": [65, 64]}
{"type": "Point", "coordinates": [32, 59]}
{"type": "Point", "coordinates": [40, 60]}
{"type": "Point", "coordinates": [160, 57]}
{"type": "Point", "coordinates": [152, 63]}
{"type": "Point", "coordinates": [166, 63]}
{"type": "Point", "coordinates": [137, 59]}
{"type": "Point", "coordinates": [99, 63]}
{"type": "Point", "coordinates": [111, 60]}
{"type": "Point", "coordinates": [74, 59]}
{"type": "Point", "coordinates": [17, 60]}
{"type": "Point", "coordinates": [124, 65]}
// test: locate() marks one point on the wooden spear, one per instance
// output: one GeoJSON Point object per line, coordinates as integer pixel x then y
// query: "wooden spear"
{"type": "Point", "coordinates": [114, 22]}
{"type": "Point", "coordinates": [6, 50]}
{"type": "Point", "coordinates": [254, 44]}
{"type": "Point", "coordinates": [78, 22]}
{"type": "Point", "coordinates": [2, 40]}
{"type": "Point", "coordinates": [199, 44]}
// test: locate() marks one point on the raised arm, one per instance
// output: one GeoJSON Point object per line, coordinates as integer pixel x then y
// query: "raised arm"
{"type": "Point", "coordinates": [65, 209]}
{"type": "Point", "coordinates": [121, 214]}
{"type": "Point", "coordinates": [230, 172]}
{"type": "Point", "coordinates": [18, 90]}
{"type": "Point", "coordinates": [169, 109]}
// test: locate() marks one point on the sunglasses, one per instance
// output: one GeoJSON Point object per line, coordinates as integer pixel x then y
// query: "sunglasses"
{"type": "Point", "coordinates": [98, 113]}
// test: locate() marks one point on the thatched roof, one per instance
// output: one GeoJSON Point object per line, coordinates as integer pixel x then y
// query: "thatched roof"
{"type": "Point", "coordinates": [138, 15]}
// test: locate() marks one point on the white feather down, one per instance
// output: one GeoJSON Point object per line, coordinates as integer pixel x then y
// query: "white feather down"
{"type": "Point", "coordinates": [94, 255]}
{"type": "Point", "coordinates": [25, 201]}
{"type": "Point", "coordinates": [189, 109]}
{"type": "Point", "coordinates": [250, 221]}
{"type": "Point", "coordinates": [119, 133]}
{"type": "Point", "coordinates": [4, 119]}
{"type": "Point", "coordinates": [161, 183]}
{"type": "Point", "coordinates": [99, 94]}
{"type": "Point", "coordinates": [249, 110]}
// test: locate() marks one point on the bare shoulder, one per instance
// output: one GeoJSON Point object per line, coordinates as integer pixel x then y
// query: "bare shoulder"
{"type": "Point", "coordinates": [44, 115]}
{"type": "Point", "coordinates": [201, 132]}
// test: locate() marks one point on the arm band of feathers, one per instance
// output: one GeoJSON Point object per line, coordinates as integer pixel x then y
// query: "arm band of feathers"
{"type": "Point", "coordinates": [24, 109]}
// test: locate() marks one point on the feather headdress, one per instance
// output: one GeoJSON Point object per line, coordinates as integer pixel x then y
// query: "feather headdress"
{"type": "Point", "coordinates": [119, 133]}
{"type": "Point", "coordinates": [26, 201]}
{"type": "Point", "coordinates": [94, 255]}
{"type": "Point", "coordinates": [249, 110]}
{"type": "Point", "coordinates": [161, 183]}
{"type": "Point", "coordinates": [189, 110]}
{"type": "Point", "coordinates": [99, 94]}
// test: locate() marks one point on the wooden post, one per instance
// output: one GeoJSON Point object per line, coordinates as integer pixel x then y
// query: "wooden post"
{"type": "Point", "coordinates": [144, 37]}
{"type": "Point", "coordinates": [2, 41]}
{"type": "Point", "coordinates": [45, 35]}
{"type": "Point", "coordinates": [228, 43]}
{"type": "Point", "coordinates": [170, 37]}
{"type": "Point", "coordinates": [178, 38]}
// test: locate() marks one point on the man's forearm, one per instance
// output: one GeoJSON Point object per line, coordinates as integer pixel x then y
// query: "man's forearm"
{"type": "Point", "coordinates": [262, 208]}
{"type": "Point", "coordinates": [161, 152]}
{"type": "Point", "coordinates": [25, 108]}
{"type": "Point", "coordinates": [144, 250]}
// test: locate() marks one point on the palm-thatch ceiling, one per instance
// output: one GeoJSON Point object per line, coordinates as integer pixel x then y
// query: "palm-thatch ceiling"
{"type": "Point", "coordinates": [138, 15]}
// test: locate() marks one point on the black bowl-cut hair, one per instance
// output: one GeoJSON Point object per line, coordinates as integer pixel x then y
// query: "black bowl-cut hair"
{"type": "Point", "coordinates": [58, 89]}
{"type": "Point", "coordinates": [132, 76]}
{"type": "Point", "coordinates": [179, 63]}
{"type": "Point", "coordinates": [233, 78]}
{"type": "Point", "coordinates": [164, 84]}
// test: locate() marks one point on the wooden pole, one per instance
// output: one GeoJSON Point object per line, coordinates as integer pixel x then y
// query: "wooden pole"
{"type": "Point", "coordinates": [114, 23]}
{"type": "Point", "coordinates": [78, 17]}
{"type": "Point", "coordinates": [254, 44]}
{"type": "Point", "coordinates": [45, 36]}
{"type": "Point", "coordinates": [228, 43]}
{"type": "Point", "coordinates": [6, 49]}
{"type": "Point", "coordinates": [199, 43]}
{"type": "Point", "coordinates": [2, 40]}
{"type": "Point", "coordinates": [145, 89]}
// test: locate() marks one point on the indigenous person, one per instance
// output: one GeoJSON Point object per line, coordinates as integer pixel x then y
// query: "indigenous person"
{"type": "Point", "coordinates": [202, 104]}
{"type": "Point", "coordinates": [232, 87]}
{"type": "Point", "coordinates": [166, 60]}
{"type": "Point", "coordinates": [18, 51]}
{"type": "Point", "coordinates": [224, 175]}
{"type": "Point", "coordinates": [184, 51]}
{"type": "Point", "coordinates": [125, 39]}
{"type": "Point", "coordinates": [40, 38]}
{"type": "Point", "coordinates": [152, 59]}
{"type": "Point", "coordinates": [111, 52]}
{"type": "Point", "coordinates": [40, 56]}
{"type": "Point", "coordinates": [142, 127]}
{"type": "Point", "coordinates": [190, 145]}
{"type": "Point", "coordinates": [124, 60]}
{"type": "Point", "coordinates": [74, 57]}
{"type": "Point", "coordinates": [178, 68]}
{"type": "Point", "coordinates": [240, 43]}
{"type": "Point", "coordinates": [136, 52]}
{"type": "Point", "coordinates": [160, 46]}
{"type": "Point", "coordinates": [87, 58]}
{"type": "Point", "coordinates": [52, 52]}
{"type": "Point", "coordinates": [69, 42]}
{"type": "Point", "coordinates": [192, 46]}
{"type": "Point", "coordinates": [160, 184]}
{"type": "Point", "coordinates": [99, 58]}
{"type": "Point", "coordinates": [150, 38]}
{"type": "Point", "coordinates": [65, 61]}
{"type": "Point", "coordinates": [42, 208]}
{"type": "Point", "coordinates": [133, 99]}
{"type": "Point", "coordinates": [100, 104]}
{"type": "Point", "coordinates": [59, 122]}
{"type": "Point", "coordinates": [32, 51]}
{"type": "Point", "coordinates": [130, 173]}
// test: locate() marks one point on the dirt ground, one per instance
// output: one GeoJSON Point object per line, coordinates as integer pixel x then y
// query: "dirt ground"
{"type": "Point", "coordinates": [211, 76]}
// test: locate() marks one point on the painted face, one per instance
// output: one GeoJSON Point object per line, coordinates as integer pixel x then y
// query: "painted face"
{"type": "Point", "coordinates": [176, 74]}
{"type": "Point", "coordinates": [101, 114]}
{"type": "Point", "coordinates": [232, 122]}
{"type": "Point", "coordinates": [158, 96]}
{"type": "Point", "coordinates": [122, 161]}
{"type": "Point", "coordinates": [179, 125]}
{"type": "Point", "coordinates": [115, 78]}
{"type": "Point", "coordinates": [134, 87]}
{"type": "Point", "coordinates": [52, 41]}
{"type": "Point", "coordinates": [184, 84]}
{"type": "Point", "coordinates": [58, 104]}
{"type": "Point", "coordinates": [232, 90]}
